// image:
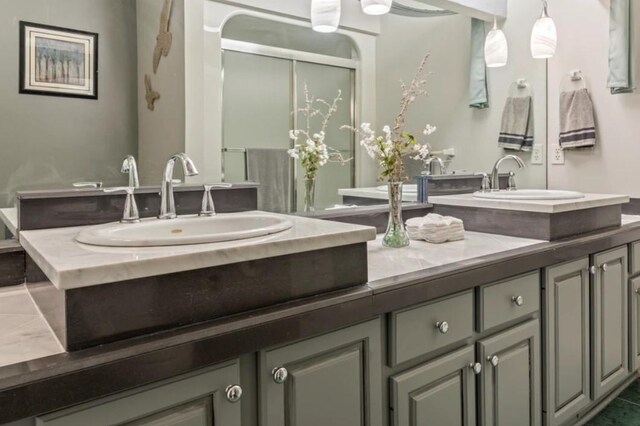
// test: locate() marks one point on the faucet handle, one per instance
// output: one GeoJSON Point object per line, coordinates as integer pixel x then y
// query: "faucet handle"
{"type": "Point", "coordinates": [512, 182]}
{"type": "Point", "coordinates": [486, 183]}
{"type": "Point", "coordinates": [95, 185]}
{"type": "Point", "coordinates": [130, 214]}
{"type": "Point", "coordinates": [208, 207]}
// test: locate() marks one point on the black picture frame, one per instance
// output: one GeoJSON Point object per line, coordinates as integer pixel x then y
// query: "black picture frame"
{"type": "Point", "coordinates": [43, 88]}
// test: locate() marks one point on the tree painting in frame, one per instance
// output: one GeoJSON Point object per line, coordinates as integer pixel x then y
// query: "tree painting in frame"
{"type": "Point", "coordinates": [58, 61]}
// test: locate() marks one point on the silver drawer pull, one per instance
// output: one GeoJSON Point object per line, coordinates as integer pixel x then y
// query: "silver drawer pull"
{"type": "Point", "coordinates": [442, 326]}
{"type": "Point", "coordinates": [279, 375]}
{"type": "Point", "coordinates": [233, 393]}
{"type": "Point", "coordinates": [518, 300]}
{"type": "Point", "coordinates": [494, 360]}
{"type": "Point", "coordinates": [476, 367]}
{"type": "Point", "coordinates": [637, 290]}
{"type": "Point", "coordinates": [604, 267]}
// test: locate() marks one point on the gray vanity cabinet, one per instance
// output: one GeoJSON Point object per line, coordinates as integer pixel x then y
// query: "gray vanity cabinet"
{"type": "Point", "coordinates": [634, 316]}
{"type": "Point", "coordinates": [510, 390]}
{"type": "Point", "coordinates": [440, 392]}
{"type": "Point", "coordinates": [205, 399]}
{"type": "Point", "coordinates": [609, 289]}
{"type": "Point", "coordinates": [566, 333]}
{"type": "Point", "coordinates": [334, 379]}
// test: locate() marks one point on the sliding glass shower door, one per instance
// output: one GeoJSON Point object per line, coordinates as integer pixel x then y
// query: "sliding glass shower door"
{"type": "Point", "coordinates": [260, 94]}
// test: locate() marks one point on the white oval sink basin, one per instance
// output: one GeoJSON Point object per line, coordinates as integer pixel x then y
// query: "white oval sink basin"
{"type": "Point", "coordinates": [183, 230]}
{"type": "Point", "coordinates": [406, 189]}
{"type": "Point", "coordinates": [529, 194]}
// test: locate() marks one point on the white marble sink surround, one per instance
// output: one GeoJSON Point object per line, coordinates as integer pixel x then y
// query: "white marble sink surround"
{"type": "Point", "coordinates": [539, 206]}
{"type": "Point", "coordinates": [420, 255]}
{"type": "Point", "coordinates": [629, 218]}
{"type": "Point", "coordinates": [24, 333]}
{"type": "Point", "coordinates": [69, 264]}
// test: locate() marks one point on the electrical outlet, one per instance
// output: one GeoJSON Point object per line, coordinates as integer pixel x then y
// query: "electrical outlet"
{"type": "Point", "coordinates": [536, 155]}
{"type": "Point", "coordinates": [557, 155]}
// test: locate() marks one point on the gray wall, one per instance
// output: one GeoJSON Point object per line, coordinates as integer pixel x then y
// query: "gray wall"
{"type": "Point", "coordinates": [50, 142]}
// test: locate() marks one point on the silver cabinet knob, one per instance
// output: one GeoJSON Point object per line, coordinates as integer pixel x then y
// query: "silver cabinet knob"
{"type": "Point", "coordinates": [518, 300]}
{"type": "Point", "coordinates": [593, 270]}
{"type": "Point", "coordinates": [604, 267]}
{"type": "Point", "coordinates": [637, 290]}
{"type": "Point", "coordinates": [233, 393]}
{"type": "Point", "coordinates": [279, 375]}
{"type": "Point", "coordinates": [442, 326]}
{"type": "Point", "coordinates": [494, 360]}
{"type": "Point", "coordinates": [476, 367]}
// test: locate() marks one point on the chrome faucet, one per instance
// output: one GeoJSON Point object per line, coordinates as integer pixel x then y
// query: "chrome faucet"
{"type": "Point", "coordinates": [429, 162]}
{"type": "Point", "coordinates": [130, 166]}
{"type": "Point", "coordinates": [167, 203]}
{"type": "Point", "coordinates": [495, 178]}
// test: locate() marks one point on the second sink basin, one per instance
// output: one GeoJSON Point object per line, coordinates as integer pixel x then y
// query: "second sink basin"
{"type": "Point", "coordinates": [530, 194]}
{"type": "Point", "coordinates": [184, 230]}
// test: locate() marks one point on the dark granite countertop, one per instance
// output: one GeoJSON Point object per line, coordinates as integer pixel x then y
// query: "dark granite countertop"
{"type": "Point", "coordinates": [51, 383]}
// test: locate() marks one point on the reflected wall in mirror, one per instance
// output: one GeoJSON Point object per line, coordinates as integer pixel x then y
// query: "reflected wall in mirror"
{"type": "Point", "coordinates": [228, 87]}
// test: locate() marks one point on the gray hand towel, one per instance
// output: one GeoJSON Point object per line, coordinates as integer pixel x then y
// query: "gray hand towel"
{"type": "Point", "coordinates": [271, 169]}
{"type": "Point", "coordinates": [516, 130]}
{"type": "Point", "coordinates": [620, 74]}
{"type": "Point", "coordinates": [577, 120]}
{"type": "Point", "coordinates": [478, 93]}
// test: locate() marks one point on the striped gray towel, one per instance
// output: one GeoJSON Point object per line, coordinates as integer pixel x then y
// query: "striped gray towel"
{"type": "Point", "coordinates": [577, 121]}
{"type": "Point", "coordinates": [516, 130]}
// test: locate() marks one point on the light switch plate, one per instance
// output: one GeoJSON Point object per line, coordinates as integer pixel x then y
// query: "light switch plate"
{"type": "Point", "coordinates": [536, 155]}
{"type": "Point", "coordinates": [557, 155]}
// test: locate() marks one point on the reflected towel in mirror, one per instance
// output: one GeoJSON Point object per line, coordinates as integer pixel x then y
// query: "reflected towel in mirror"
{"type": "Point", "coordinates": [516, 130]}
{"type": "Point", "coordinates": [272, 170]}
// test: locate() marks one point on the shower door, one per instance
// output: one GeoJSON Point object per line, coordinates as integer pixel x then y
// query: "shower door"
{"type": "Point", "coordinates": [260, 93]}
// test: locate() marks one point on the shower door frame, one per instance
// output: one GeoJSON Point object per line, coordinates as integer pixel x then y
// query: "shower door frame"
{"type": "Point", "coordinates": [296, 56]}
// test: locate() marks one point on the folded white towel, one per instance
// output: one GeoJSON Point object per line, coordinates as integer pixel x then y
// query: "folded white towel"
{"type": "Point", "coordinates": [435, 228]}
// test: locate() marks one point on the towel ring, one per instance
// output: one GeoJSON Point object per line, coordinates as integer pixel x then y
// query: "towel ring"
{"type": "Point", "coordinates": [574, 77]}
{"type": "Point", "coordinates": [520, 87]}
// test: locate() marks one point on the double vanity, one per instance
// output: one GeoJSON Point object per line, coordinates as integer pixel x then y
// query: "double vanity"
{"type": "Point", "coordinates": [263, 318]}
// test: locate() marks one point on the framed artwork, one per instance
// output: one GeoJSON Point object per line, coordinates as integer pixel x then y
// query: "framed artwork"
{"type": "Point", "coordinates": [58, 61]}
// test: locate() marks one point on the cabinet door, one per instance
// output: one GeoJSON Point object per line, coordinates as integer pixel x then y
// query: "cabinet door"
{"type": "Point", "coordinates": [609, 320]}
{"type": "Point", "coordinates": [634, 331]}
{"type": "Point", "coordinates": [334, 379]}
{"type": "Point", "coordinates": [441, 392]}
{"type": "Point", "coordinates": [567, 378]}
{"type": "Point", "coordinates": [199, 400]}
{"type": "Point", "coordinates": [510, 382]}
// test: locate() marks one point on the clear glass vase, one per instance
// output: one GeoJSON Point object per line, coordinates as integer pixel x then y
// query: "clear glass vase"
{"type": "Point", "coordinates": [396, 235]}
{"type": "Point", "coordinates": [310, 194]}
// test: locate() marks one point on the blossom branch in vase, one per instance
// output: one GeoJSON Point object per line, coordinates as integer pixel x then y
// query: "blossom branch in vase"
{"type": "Point", "coordinates": [309, 146]}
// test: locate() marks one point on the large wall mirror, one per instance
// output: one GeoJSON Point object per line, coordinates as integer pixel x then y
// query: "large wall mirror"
{"type": "Point", "coordinates": [224, 81]}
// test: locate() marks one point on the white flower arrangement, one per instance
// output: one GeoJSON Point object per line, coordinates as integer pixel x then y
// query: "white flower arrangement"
{"type": "Point", "coordinates": [311, 148]}
{"type": "Point", "coordinates": [389, 148]}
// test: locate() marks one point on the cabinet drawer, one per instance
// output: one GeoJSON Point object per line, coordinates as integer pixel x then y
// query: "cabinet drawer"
{"type": "Point", "coordinates": [634, 258]}
{"type": "Point", "coordinates": [415, 331]}
{"type": "Point", "coordinates": [508, 300]}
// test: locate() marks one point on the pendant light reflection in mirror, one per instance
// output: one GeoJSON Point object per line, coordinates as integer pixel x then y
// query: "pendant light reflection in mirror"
{"type": "Point", "coordinates": [496, 48]}
{"type": "Point", "coordinates": [325, 15]}
{"type": "Point", "coordinates": [376, 7]}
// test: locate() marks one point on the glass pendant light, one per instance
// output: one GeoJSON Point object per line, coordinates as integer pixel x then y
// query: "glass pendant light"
{"type": "Point", "coordinates": [544, 36]}
{"type": "Point", "coordinates": [496, 48]}
{"type": "Point", "coordinates": [376, 7]}
{"type": "Point", "coordinates": [325, 15]}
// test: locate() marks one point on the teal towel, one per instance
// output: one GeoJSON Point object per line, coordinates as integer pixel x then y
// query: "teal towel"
{"type": "Point", "coordinates": [620, 78]}
{"type": "Point", "coordinates": [478, 93]}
